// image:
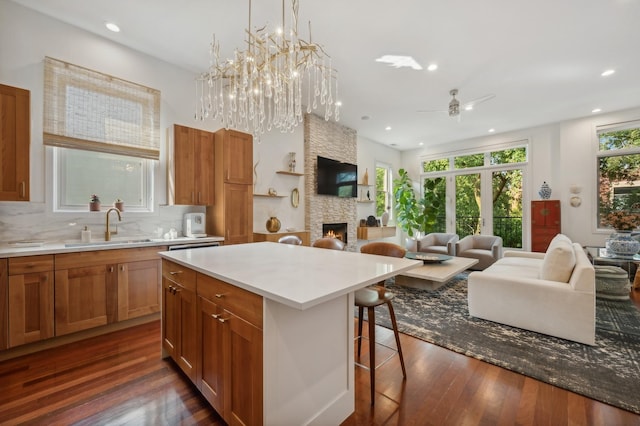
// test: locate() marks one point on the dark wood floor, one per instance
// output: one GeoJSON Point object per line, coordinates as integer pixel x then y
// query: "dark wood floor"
{"type": "Point", "coordinates": [120, 379]}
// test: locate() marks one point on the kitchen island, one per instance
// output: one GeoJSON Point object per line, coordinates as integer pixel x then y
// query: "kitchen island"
{"type": "Point", "coordinates": [306, 359]}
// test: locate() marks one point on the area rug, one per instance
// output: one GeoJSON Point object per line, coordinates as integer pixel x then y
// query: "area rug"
{"type": "Point", "coordinates": [608, 372]}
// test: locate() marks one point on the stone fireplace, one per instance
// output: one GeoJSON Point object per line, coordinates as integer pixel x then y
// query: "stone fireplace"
{"type": "Point", "coordinates": [338, 142]}
{"type": "Point", "coordinates": [336, 230]}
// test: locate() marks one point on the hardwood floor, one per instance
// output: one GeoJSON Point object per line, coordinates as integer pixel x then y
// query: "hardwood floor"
{"type": "Point", "coordinates": [120, 378]}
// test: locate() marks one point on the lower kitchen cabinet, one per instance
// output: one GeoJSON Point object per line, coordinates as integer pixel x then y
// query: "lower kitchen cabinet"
{"type": "Point", "coordinates": [230, 360]}
{"type": "Point", "coordinates": [179, 316]}
{"type": "Point", "coordinates": [96, 288]}
{"type": "Point", "coordinates": [30, 301]}
{"type": "Point", "coordinates": [4, 304]}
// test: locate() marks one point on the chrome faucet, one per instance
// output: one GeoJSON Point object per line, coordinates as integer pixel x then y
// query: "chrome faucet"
{"type": "Point", "coordinates": [107, 233]}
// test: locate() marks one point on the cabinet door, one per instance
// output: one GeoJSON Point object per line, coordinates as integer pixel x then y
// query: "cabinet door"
{"type": "Point", "coordinates": [138, 289]}
{"type": "Point", "coordinates": [243, 394]}
{"type": "Point", "coordinates": [187, 314]}
{"type": "Point", "coordinates": [204, 167]}
{"type": "Point", "coordinates": [30, 307]}
{"type": "Point", "coordinates": [14, 143]}
{"type": "Point", "coordinates": [238, 214]}
{"type": "Point", "coordinates": [85, 298]}
{"type": "Point", "coordinates": [4, 304]}
{"type": "Point", "coordinates": [169, 318]}
{"type": "Point", "coordinates": [185, 173]}
{"type": "Point", "coordinates": [210, 368]}
{"type": "Point", "coordinates": [237, 150]}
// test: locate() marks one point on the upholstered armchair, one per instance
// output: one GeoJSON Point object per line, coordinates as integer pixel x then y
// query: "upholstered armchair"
{"type": "Point", "coordinates": [486, 248]}
{"type": "Point", "coordinates": [438, 242]}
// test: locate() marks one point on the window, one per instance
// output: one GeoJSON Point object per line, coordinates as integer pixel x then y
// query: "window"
{"type": "Point", "coordinates": [384, 192]}
{"type": "Point", "coordinates": [618, 169]}
{"type": "Point", "coordinates": [105, 132]}
{"type": "Point", "coordinates": [78, 174]}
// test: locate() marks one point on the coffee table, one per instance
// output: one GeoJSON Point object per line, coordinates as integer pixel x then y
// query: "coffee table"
{"type": "Point", "coordinates": [432, 276]}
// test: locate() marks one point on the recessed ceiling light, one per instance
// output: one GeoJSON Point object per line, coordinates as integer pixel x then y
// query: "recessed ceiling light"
{"type": "Point", "coordinates": [421, 143]}
{"type": "Point", "coordinates": [400, 61]}
{"type": "Point", "coordinates": [468, 107]}
{"type": "Point", "coordinates": [432, 67]}
{"type": "Point", "coordinates": [365, 117]}
{"type": "Point", "coordinates": [607, 73]}
{"type": "Point", "coordinates": [388, 128]}
{"type": "Point", "coordinates": [112, 27]}
{"type": "Point", "coordinates": [596, 110]}
{"type": "Point", "coordinates": [492, 130]}
{"type": "Point", "coordinates": [338, 103]}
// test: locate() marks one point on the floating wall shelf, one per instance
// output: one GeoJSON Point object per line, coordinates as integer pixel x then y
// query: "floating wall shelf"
{"type": "Point", "coordinates": [283, 172]}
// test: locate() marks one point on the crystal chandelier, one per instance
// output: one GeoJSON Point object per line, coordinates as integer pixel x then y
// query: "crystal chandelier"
{"type": "Point", "coordinates": [265, 86]}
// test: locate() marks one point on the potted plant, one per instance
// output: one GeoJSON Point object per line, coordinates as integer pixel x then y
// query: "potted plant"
{"type": "Point", "coordinates": [119, 204]}
{"type": "Point", "coordinates": [94, 203]}
{"type": "Point", "coordinates": [415, 216]}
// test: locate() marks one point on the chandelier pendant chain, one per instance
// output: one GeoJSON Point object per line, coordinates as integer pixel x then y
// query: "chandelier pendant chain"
{"type": "Point", "coordinates": [261, 88]}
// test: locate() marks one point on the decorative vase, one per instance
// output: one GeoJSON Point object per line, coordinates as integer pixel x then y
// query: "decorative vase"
{"type": "Point", "coordinates": [292, 162]}
{"type": "Point", "coordinates": [621, 244]}
{"type": "Point", "coordinates": [119, 205]}
{"type": "Point", "coordinates": [273, 224]}
{"type": "Point", "coordinates": [385, 218]}
{"type": "Point", "coordinates": [545, 191]}
{"type": "Point", "coordinates": [94, 207]}
{"type": "Point", "coordinates": [365, 178]}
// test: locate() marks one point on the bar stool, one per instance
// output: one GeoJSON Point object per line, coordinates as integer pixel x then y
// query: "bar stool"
{"type": "Point", "coordinates": [371, 297]}
{"type": "Point", "coordinates": [329, 243]}
{"type": "Point", "coordinates": [290, 239]}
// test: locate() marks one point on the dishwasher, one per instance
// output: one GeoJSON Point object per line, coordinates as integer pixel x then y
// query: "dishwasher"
{"type": "Point", "coordinates": [194, 244]}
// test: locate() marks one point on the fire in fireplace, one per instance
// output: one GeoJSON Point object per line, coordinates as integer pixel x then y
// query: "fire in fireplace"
{"type": "Point", "coordinates": [335, 230]}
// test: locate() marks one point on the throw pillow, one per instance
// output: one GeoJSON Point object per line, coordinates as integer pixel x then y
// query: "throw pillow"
{"type": "Point", "coordinates": [559, 261]}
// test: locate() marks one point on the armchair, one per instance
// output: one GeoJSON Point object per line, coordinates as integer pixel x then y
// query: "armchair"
{"type": "Point", "coordinates": [486, 248]}
{"type": "Point", "coordinates": [438, 242]}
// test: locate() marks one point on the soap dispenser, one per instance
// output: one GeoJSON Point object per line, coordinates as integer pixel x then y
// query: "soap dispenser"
{"type": "Point", "coordinates": [86, 235]}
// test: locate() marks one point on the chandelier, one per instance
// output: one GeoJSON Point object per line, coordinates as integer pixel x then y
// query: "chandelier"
{"type": "Point", "coordinates": [266, 85]}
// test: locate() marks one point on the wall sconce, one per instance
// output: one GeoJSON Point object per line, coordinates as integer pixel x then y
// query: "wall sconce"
{"type": "Point", "coordinates": [575, 199]}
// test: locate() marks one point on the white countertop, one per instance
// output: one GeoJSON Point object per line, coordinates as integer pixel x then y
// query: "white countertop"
{"type": "Point", "coordinates": [297, 276]}
{"type": "Point", "coordinates": [54, 247]}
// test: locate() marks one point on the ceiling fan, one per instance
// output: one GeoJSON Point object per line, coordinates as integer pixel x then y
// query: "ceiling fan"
{"type": "Point", "coordinates": [455, 106]}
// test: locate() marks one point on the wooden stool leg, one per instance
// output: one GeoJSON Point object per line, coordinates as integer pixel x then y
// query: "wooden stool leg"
{"type": "Point", "coordinates": [372, 351]}
{"type": "Point", "coordinates": [636, 279]}
{"type": "Point", "coordinates": [360, 314]}
{"type": "Point", "coordinates": [392, 314]}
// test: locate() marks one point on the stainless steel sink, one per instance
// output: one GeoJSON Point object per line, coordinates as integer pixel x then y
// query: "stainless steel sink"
{"type": "Point", "coordinates": [109, 243]}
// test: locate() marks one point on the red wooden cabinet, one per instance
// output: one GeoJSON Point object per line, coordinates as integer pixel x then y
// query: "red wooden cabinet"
{"type": "Point", "coordinates": [545, 223]}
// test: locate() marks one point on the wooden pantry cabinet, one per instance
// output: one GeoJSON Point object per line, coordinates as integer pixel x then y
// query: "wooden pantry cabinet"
{"type": "Point", "coordinates": [96, 288]}
{"type": "Point", "coordinates": [231, 214]}
{"type": "Point", "coordinates": [30, 299]}
{"type": "Point", "coordinates": [14, 143]}
{"type": "Point", "coordinates": [192, 170]}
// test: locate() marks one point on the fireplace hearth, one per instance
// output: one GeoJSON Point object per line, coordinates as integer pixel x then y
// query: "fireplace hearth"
{"type": "Point", "coordinates": [335, 230]}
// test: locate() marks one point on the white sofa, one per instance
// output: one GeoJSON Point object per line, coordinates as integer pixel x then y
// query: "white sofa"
{"type": "Point", "coordinates": [551, 293]}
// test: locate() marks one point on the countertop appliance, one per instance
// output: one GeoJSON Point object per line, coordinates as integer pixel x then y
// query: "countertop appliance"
{"type": "Point", "coordinates": [193, 225]}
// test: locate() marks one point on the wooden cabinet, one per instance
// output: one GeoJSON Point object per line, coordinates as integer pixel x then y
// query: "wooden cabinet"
{"type": "Point", "coordinates": [231, 215]}
{"type": "Point", "coordinates": [4, 304]}
{"type": "Point", "coordinates": [30, 299]}
{"type": "Point", "coordinates": [14, 143]}
{"type": "Point", "coordinates": [192, 174]}
{"type": "Point", "coordinates": [230, 359]}
{"type": "Point", "coordinates": [545, 223]}
{"type": "Point", "coordinates": [275, 236]}
{"type": "Point", "coordinates": [96, 288]}
{"type": "Point", "coordinates": [375, 232]}
{"type": "Point", "coordinates": [179, 316]}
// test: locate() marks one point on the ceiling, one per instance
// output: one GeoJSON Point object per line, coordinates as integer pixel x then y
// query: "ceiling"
{"type": "Point", "coordinates": [541, 59]}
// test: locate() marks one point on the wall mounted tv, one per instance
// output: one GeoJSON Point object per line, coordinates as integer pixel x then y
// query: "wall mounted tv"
{"type": "Point", "coordinates": [337, 178]}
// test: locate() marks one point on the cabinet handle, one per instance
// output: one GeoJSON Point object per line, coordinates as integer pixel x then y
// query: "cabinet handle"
{"type": "Point", "coordinates": [122, 268]}
{"type": "Point", "coordinates": [175, 272]}
{"type": "Point", "coordinates": [192, 196]}
{"type": "Point", "coordinates": [23, 191]}
{"type": "Point", "coordinates": [111, 269]}
{"type": "Point", "coordinates": [223, 320]}
{"type": "Point", "coordinates": [215, 316]}
{"type": "Point", "coordinates": [220, 295]}
{"type": "Point", "coordinates": [199, 197]}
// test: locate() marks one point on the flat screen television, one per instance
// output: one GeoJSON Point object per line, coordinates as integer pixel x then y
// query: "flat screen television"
{"type": "Point", "coordinates": [337, 178]}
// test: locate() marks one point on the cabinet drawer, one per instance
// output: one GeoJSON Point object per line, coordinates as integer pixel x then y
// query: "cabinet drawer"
{"type": "Point", "coordinates": [241, 303]}
{"type": "Point", "coordinates": [28, 264]}
{"type": "Point", "coordinates": [179, 274]}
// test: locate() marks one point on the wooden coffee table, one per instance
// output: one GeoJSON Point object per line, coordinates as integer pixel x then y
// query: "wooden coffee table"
{"type": "Point", "coordinates": [432, 276]}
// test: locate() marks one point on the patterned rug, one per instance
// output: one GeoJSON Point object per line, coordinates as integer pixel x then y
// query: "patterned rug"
{"type": "Point", "coordinates": [608, 372]}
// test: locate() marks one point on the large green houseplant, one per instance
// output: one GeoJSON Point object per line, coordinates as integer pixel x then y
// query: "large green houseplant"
{"type": "Point", "coordinates": [416, 216]}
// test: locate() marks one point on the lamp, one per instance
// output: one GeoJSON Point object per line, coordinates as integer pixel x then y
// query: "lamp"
{"type": "Point", "coordinates": [261, 87]}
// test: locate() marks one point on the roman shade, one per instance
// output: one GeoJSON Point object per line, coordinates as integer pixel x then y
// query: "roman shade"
{"type": "Point", "coordinates": [85, 109]}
